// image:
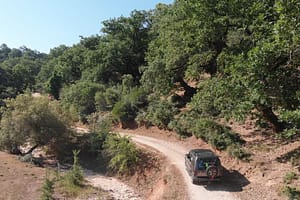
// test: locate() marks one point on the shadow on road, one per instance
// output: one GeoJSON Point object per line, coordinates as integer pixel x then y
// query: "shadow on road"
{"type": "Point", "coordinates": [232, 181]}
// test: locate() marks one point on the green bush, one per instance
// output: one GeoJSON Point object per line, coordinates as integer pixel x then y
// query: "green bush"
{"type": "Point", "coordinates": [222, 97]}
{"type": "Point", "coordinates": [75, 176]}
{"type": "Point", "coordinates": [289, 177]}
{"type": "Point", "coordinates": [182, 123]}
{"type": "Point", "coordinates": [291, 192]}
{"type": "Point", "coordinates": [127, 108]}
{"type": "Point", "coordinates": [237, 151]}
{"type": "Point", "coordinates": [124, 112]}
{"type": "Point", "coordinates": [160, 113]}
{"type": "Point", "coordinates": [73, 180]}
{"type": "Point", "coordinates": [105, 100]}
{"type": "Point", "coordinates": [122, 153]}
{"type": "Point", "coordinates": [289, 134]}
{"type": "Point", "coordinates": [215, 134]}
{"type": "Point", "coordinates": [291, 117]}
{"type": "Point", "coordinates": [101, 102]}
{"type": "Point", "coordinates": [220, 137]}
{"type": "Point", "coordinates": [91, 143]}
{"type": "Point", "coordinates": [47, 190]}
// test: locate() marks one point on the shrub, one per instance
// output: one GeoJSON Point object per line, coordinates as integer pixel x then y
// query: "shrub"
{"type": "Point", "coordinates": [37, 120]}
{"type": "Point", "coordinates": [105, 100]}
{"type": "Point", "coordinates": [81, 96]}
{"type": "Point", "coordinates": [122, 153]}
{"type": "Point", "coordinates": [292, 118]}
{"type": "Point", "coordinates": [289, 134]}
{"type": "Point", "coordinates": [127, 108]}
{"type": "Point", "coordinates": [182, 123]}
{"type": "Point", "coordinates": [101, 102]}
{"type": "Point", "coordinates": [47, 189]}
{"type": "Point", "coordinates": [291, 192]}
{"type": "Point", "coordinates": [160, 113]}
{"type": "Point", "coordinates": [124, 112]}
{"type": "Point", "coordinates": [92, 143]}
{"type": "Point", "coordinates": [237, 151]}
{"type": "Point", "coordinates": [73, 180]}
{"type": "Point", "coordinates": [75, 176]}
{"type": "Point", "coordinates": [289, 177]}
{"type": "Point", "coordinates": [215, 134]}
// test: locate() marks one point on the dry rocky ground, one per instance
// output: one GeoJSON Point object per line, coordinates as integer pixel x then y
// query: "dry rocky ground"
{"type": "Point", "coordinates": [261, 178]}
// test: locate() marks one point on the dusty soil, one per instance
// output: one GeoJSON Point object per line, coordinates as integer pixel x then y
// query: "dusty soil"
{"type": "Point", "coordinates": [23, 181]}
{"type": "Point", "coordinates": [19, 180]}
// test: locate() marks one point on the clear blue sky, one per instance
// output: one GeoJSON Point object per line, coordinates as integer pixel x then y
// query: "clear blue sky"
{"type": "Point", "coordinates": [44, 24]}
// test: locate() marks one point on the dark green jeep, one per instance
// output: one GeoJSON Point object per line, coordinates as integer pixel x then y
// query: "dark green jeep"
{"type": "Point", "coordinates": [203, 165]}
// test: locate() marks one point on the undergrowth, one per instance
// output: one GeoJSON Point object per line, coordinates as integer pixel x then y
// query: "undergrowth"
{"type": "Point", "coordinates": [73, 180]}
{"type": "Point", "coordinates": [217, 135]}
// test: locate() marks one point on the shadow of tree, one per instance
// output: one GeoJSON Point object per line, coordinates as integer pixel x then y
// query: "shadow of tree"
{"type": "Point", "coordinates": [292, 156]}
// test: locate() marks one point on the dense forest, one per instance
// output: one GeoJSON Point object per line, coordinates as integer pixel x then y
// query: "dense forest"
{"type": "Point", "coordinates": [187, 67]}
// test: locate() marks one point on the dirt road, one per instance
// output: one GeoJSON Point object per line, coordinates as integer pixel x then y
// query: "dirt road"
{"type": "Point", "coordinates": [175, 154]}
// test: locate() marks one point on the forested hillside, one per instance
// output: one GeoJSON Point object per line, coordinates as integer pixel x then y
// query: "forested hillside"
{"type": "Point", "coordinates": [186, 67]}
{"type": "Point", "coordinates": [220, 59]}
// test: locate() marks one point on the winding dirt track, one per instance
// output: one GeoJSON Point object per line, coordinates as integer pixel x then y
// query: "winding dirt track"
{"type": "Point", "coordinates": [175, 153]}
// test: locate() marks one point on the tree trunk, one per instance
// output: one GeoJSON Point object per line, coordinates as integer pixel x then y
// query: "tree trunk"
{"type": "Point", "coordinates": [31, 149]}
{"type": "Point", "coordinates": [188, 91]}
{"type": "Point", "coordinates": [15, 150]}
{"type": "Point", "coordinates": [269, 116]}
{"type": "Point", "coordinates": [212, 67]}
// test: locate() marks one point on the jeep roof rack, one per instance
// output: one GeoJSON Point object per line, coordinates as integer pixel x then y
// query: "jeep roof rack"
{"type": "Point", "coordinates": [203, 153]}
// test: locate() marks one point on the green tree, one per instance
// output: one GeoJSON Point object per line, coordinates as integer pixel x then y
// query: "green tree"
{"type": "Point", "coordinates": [47, 189]}
{"type": "Point", "coordinates": [54, 85]}
{"type": "Point", "coordinates": [34, 120]}
{"type": "Point", "coordinates": [81, 96]}
{"type": "Point", "coordinates": [191, 37]}
{"type": "Point", "coordinates": [121, 49]}
{"type": "Point", "coordinates": [263, 77]}
{"type": "Point", "coordinates": [21, 67]}
{"type": "Point", "coordinates": [4, 51]}
{"type": "Point", "coordinates": [47, 70]}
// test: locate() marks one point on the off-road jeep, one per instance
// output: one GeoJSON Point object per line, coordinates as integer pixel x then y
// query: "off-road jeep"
{"type": "Point", "coordinates": [203, 165]}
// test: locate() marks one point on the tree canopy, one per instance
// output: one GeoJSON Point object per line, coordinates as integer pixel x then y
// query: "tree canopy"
{"type": "Point", "coordinates": [31, 119]}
